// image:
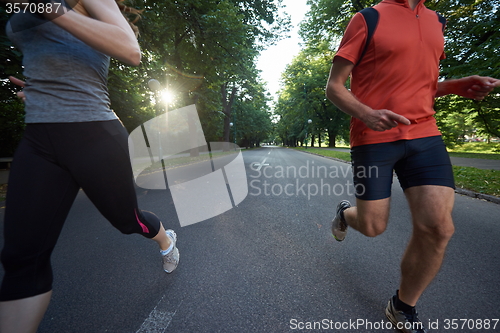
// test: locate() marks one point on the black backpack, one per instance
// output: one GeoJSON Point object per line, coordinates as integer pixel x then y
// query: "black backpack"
{"type": "Point", "coordinates": [371, 18]}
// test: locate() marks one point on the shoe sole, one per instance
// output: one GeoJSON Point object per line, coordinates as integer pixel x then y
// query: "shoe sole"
{"type": "Point", "coordinates": [341, 237]}
{"type": "Point", "coordinates": [393, 320]}
{"type": "Point", "coordinates": [338, 239]}
{"type": "Point", "coordinates": [389, 316]}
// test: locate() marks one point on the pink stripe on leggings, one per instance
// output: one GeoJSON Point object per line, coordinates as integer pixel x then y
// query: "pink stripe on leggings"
{"type": "Point", "coordinates": [144, 228]}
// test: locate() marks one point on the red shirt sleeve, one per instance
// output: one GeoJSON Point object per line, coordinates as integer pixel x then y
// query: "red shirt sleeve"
{"type": "Point", "coordinates": [354, 39]}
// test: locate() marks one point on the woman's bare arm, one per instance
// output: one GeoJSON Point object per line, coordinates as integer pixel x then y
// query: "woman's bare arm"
{"type": "Point", "coordinates": [106, 30]}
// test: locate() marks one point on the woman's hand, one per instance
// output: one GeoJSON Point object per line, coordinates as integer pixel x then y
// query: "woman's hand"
{"type": "Point", "coordinates": [19, 83]}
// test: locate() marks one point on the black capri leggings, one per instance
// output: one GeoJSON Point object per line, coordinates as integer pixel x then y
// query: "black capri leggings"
{"type": "Point", "coordinates": [53, 161]}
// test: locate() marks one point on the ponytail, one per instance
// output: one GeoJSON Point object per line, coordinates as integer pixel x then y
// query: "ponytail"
{"type": "Point", "coordinates": [129, 12]}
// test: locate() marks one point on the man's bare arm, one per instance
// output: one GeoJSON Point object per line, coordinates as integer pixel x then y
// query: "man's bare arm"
{"type": "Point", "coordinates": [474, 87]}
{"type": "Point", "coordinates": [337, 93]}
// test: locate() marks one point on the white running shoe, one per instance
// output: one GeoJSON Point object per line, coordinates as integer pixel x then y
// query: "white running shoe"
{"type": "Point", "coordinates": [171, 259]}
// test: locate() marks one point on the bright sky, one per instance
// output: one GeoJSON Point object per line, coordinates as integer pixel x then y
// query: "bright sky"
{"type": "Point", "coordinates": [272, 62]}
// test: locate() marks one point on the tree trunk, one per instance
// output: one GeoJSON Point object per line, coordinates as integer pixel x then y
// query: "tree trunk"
{"type": "Point", "coordinates": [332, 136]}
{"type": "Point", "coordinates": [227, 104]}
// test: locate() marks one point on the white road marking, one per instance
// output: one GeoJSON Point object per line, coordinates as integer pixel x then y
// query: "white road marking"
{"type": "Point", "coordinates": [157, 321]}
{"type": "Point", "coordinates": [261, 164]}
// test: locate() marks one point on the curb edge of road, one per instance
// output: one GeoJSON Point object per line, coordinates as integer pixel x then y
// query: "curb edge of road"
{"type": "Point", "coordinates": [462, 191]}
{"type": "Point", "coordinates": [477, 195]}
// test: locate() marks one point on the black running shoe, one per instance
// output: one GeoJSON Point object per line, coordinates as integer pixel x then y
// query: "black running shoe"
{"type": "Point", "coordinates": [404, 322]}
{"type": "Point", "coordinates": [339, 225]}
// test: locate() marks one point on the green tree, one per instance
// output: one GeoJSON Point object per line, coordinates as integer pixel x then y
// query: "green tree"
{"type": "Point", "coordinates": [198, 47]}
{"type": "Point", "coordinates": [252, 119]}
{"type": "Point", "coordinates": [11, 108]}
{"type": "Point", "coordinates": [472, 42]}
{"type": "Point", "coordinates": [203, 51]}
{"type": "Point", "coordinates": [303, 98]}
{"type": "Point", "coordinates": [327, 19]}
{"type": "Point", "coordinates": [457, 122]}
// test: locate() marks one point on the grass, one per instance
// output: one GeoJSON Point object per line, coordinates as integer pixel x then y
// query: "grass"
{"type": "Point", "coordinates": [478, 180]}
{"type": "Point", "coordinates": [345, 156]}
{"type": "Point", "coordinates": [483, 150]}
{"type": "Point", "coordinates": [473, 179]}
{"type": "Point", "coordinates": [477, 147]}
{"type": "Point", "coordinates": [476, 155]}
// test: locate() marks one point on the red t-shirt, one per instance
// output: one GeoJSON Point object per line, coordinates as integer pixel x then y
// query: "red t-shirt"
{"type": "Point", "coordinates": [399, 71]}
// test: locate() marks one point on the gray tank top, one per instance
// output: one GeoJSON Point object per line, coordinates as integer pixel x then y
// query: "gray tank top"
{"type": "Point", "coordinates": [66, 80]}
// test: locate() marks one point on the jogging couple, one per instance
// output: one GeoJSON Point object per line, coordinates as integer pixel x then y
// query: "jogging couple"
{"type": "Point", "coordinates": [73, 140]}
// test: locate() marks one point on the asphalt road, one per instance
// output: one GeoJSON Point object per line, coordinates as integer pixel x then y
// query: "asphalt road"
{"type": "Point", "coordinates": [476, 163]}
{"type": "Point", "coordinates": [270, 264]}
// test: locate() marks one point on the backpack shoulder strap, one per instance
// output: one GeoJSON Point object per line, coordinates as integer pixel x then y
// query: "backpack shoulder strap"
{"type": "Point", "coordinates": [442, 20]}
{"type": "Point", "coordinates": [371, 18]}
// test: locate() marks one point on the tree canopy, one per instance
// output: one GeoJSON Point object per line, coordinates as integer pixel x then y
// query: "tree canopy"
{"type": "Point", "coordinates": [204, 52]}
{"type": "Point", "coordinates": [303, 98]}
{"type": "Point", "coordinates": [472, 44]}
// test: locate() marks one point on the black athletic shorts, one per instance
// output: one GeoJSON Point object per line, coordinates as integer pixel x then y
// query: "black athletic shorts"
{"type": "Point", "coordinates": [417, 162]}
{"type": "Point", "coordinates": [51, 164]}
